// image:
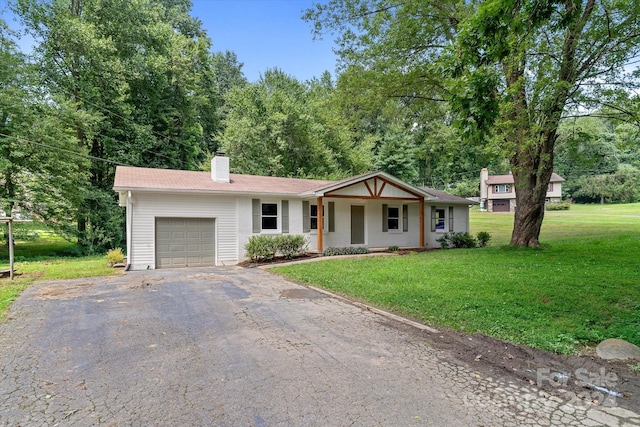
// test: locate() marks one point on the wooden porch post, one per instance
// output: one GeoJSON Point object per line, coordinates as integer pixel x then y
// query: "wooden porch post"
{"type": "Point", "coordinates": [320, 222]}
{"type": "Point", "coordinates": [421, 209]}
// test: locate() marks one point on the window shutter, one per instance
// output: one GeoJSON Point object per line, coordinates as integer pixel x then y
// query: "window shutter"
{"type": "Point", "coordinates": [405, 217]}
{"type": "Point", "coordinates": [306, 220]}
{"type": "Point", "coordinates": [450, 218]}
{"type": "Point", "coordinates": [385, 218]}
{"type": "Point", "coordinates": [285, 216]}
{"type": "Point", "coordinates": [332, 217]}
{"type": "Point", "coordinates": [257, 223]}
{"type": "Point", "coordinates": [433, 218]}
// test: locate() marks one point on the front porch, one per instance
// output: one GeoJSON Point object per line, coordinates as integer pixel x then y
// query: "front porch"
{"type": "Point", "coordinates": [374, 210]}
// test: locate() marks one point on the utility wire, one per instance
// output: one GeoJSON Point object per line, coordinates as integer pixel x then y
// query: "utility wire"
{"type": "Point", "coordinates": [105, 109]}
{"type": "Point", "coordinates": [64, 150]}
{"type": "Point", "coordinates": [71, 123]}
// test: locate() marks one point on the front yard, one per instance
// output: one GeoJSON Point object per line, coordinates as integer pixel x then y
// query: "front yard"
{"type": "Point", "coordinates": [581, 288]}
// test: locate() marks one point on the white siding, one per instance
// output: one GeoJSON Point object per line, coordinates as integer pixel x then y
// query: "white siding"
{"type": "Point", "coordinates": [507, 195]}
{"type": "Point", "coordinates": [245, 226]}
{"type": "Point", "coordinates": [460, 222]}
{"type": "Point", "coordinates": [374, 236]}
{"type": "Point", "coordinates": [556, 190]}
{"type": "Point", "coordinates": [233, 220]}
{"type": "Point", "coordinates": [147, 206]}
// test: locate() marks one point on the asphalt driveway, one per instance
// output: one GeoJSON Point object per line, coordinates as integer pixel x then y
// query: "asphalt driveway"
{"type": "Point", "coordinates": [236, 347]}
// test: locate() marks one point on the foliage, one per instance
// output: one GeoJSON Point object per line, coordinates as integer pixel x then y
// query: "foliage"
{"type": "Point", "coordinates": [397, 155]}
{"type": "Point", "coordinates": [600, 159]}
{"type": "Point", "coordinates": [465, 189]}
{"type": "Point", "coordinates": [620, 187]}
{"type": "Point", "coordinates": [457, 240]}
{"type": "Point", "coordinates": [41, 165]}
{"type": "Point", "coordinates": [261, 247]}
{"type": "Point", "coordinates": [508, 71]}
{"type": "Point", "coordinates": [281, 127]}
{"type": "Point", "coordinates": [581, 289]}
{"type": "Point", "coordinates": [291, 246]}
{"type": "Point", "coordinates": [483, 238]}
{"type": "Point", "coordinates": [147, 87]}
{"type": "Point", "coordinates": [348, 250]}
{"type": "Point", "coordinates": [558, 206]}
{"type": "Point", "coordinates": [265, 247]}
{"type": "Point", "coordinates": [393, 248]}
{"type": "Point", "coordinates": [635, 367]}
{"type": "Point", "coordinates": [585, 146]}
{"type": "Point", "coordinates": [114, 256]}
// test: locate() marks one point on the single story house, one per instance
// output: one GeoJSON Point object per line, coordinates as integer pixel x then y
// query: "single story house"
{"type": "Point", "coordinates": [183, 218]}
{"type": "Point", "coordinates": [497, 193]}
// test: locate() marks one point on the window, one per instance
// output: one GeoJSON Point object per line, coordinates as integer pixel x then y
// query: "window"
{"type": "Point", "coordinates": [310, 217]}
{"type": "Point", "coordinates": [550, 187]}
{"type": "Point", "coordinates": [313, 216]}
{"type": "Point", "coordinates": [393, 218]}
{"type": "Point", "coordinates": [269, 216]}
{"type": "Point", "coordinates": [439, 219]}
{"type": "Point", "coordinates": [502, 188]}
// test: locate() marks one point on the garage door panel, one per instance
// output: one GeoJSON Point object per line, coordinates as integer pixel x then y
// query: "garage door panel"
{"type": "Point", "coordinates": [501, 205]}
{"type": "Point", "coordinates": [183, 242]}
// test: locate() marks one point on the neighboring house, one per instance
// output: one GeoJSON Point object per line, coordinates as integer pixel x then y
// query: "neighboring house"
{"type": "Point", "coordinates": [497, 193]}
{"type": "Point", "coordinates": [183, 218]}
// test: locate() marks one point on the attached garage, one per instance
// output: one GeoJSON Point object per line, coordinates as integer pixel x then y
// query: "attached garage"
{"type": "Point", "coordinates": [185, 242]}
{"type": "Point", "coordinates": [501, 205]}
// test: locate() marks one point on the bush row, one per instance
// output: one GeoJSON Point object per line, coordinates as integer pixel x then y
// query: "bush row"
{"type": "Point", "coordinates": [558, 206]}
{"type": "Point", "coordinates": [349, 250]}
{"type": "Point", "coordinates": [266, 247]}
{"type": "Point", "coordinates": [464, 240]}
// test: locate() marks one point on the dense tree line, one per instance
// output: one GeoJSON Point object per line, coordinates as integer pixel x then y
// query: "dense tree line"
{"type": "Point", "coordinates": [429, 92]}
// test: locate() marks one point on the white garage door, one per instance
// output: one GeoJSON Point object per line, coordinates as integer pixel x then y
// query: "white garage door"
{"type": "Point", "coordinates": [185, 242]}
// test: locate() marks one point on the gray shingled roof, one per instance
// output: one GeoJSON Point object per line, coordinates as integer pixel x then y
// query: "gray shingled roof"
{"type": "Point", "coordinates": [446, 197]}
{"type": "Point", "coordinates": [134, 178]}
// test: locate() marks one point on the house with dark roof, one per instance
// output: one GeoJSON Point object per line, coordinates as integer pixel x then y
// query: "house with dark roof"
{"type": "Point", "coordinates": [498, 194]}
{"type": "Point", "coordinates": [180, 218]}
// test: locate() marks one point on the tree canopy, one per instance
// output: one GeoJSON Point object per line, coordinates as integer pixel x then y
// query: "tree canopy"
{"type": "Point", "coordinates": [428, 91]}
{"type": "Point", "coordinates": [508, 70]}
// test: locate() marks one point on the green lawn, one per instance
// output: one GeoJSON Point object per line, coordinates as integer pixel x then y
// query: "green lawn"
{"type": "Point", "coordinates": [582, 287]}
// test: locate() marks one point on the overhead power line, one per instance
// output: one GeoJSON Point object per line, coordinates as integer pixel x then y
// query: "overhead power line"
{"type": "Point", "coordinates": [64, 150]}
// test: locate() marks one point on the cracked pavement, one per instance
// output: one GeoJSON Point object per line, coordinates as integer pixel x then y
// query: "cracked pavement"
{"type": "Point", "coordinates": [242, 347]}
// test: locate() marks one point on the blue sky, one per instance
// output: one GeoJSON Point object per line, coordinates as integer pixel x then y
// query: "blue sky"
{"type": "Point", "coordinates": [263, 33]}
{"type": "Point", "coordinates": [266, 34]}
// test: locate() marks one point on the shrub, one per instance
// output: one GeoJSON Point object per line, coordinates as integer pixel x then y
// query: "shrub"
{"type": "Point", "coordinates": [261, 247]}
{"type": "Point", "coordinates": [114, 256]}
{"type": "Point", "coordinates": [558, 206]}
{"type": "Point", "coordinates": [349, 250]}
{"type": "Point", "coordinates": [291, 245]}
{"type": "Point", "coordinates": [393, 248]}
{"type": "Point", "coordinates": [483, 238]}
{"type": "Point", "coordinates": [457, 240]}
{"type": "Point", "coordinates": [265, 247]}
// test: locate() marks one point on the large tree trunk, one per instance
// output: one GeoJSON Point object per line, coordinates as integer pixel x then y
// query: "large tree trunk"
{"type": "Point", "coordinates": [531, 190]}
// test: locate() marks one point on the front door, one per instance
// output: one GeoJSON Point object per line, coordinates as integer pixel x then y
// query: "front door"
{"type": "Point", "coordinates": [357, 225]}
